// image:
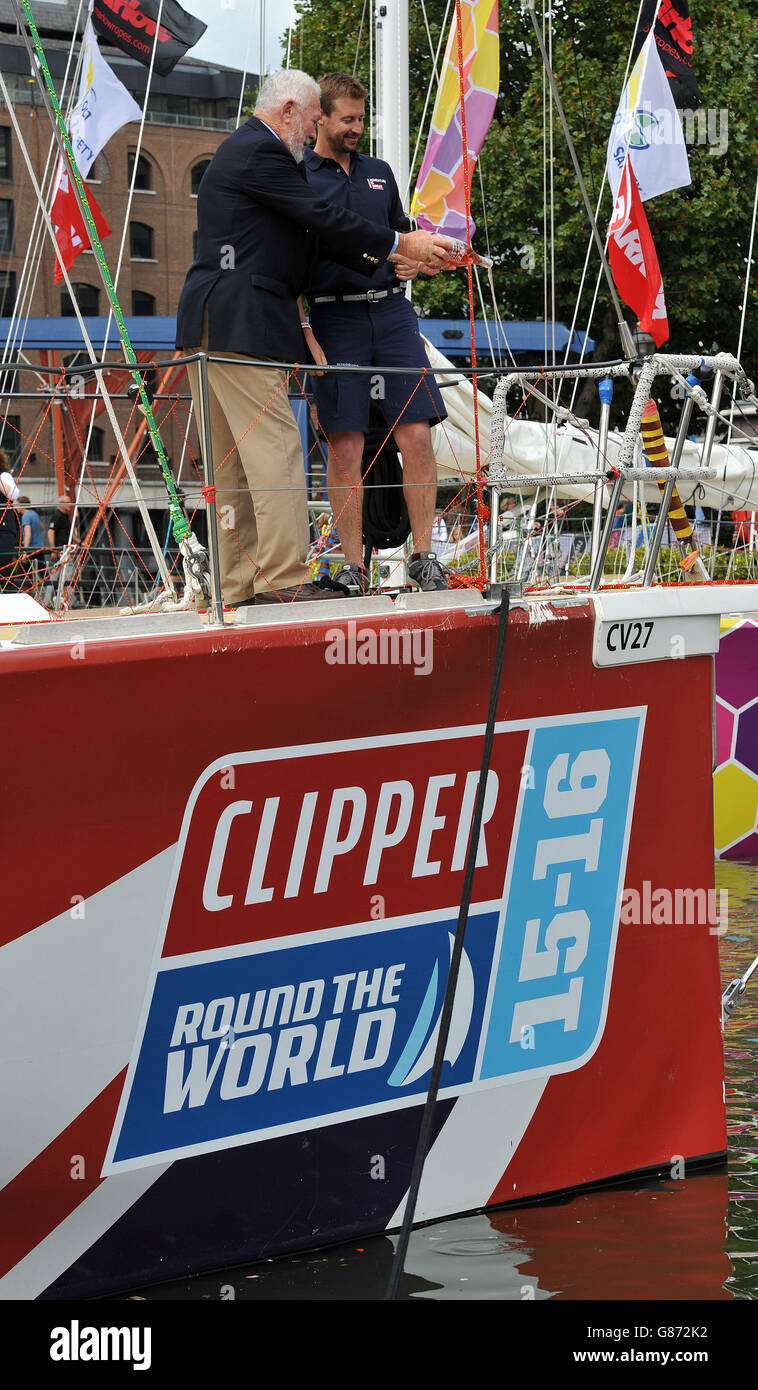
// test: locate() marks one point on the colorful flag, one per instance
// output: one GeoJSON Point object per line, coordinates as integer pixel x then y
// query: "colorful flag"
{"type": "Point", "coordinates": [131, 24]}
{"type": "Point", "coordinates": [70, 231]}
{"type": "Point", "coordinates": [634, 261]}
{"type": "Point", "coordinates": [673, 36]}
{"type": "Point", "coordinates": [647, 129]}
{"type": "Point", "coordinates": [104, 105]}
{"type": "Point", "coordinates": [439, 200]}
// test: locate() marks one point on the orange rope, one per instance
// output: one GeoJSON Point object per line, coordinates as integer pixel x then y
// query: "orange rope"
{"type": "Point", "coordinates": [467, 204]}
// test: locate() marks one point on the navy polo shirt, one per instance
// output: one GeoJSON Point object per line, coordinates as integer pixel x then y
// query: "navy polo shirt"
{"type": "Point", "coordinates": [371, 191]}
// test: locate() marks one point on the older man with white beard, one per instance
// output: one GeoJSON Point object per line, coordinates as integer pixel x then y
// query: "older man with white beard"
{"type": "Point", "coordinates": [259, 225]}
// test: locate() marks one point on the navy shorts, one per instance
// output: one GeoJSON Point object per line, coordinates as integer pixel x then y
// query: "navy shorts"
{"type": "Point", "coordinates": [383, 334]}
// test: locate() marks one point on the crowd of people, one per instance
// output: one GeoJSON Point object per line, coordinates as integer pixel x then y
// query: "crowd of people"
{"type": "Point", "coordinates": [30, 544]}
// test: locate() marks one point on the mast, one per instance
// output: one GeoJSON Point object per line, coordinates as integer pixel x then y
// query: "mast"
{"type": "Point", "coordinates": [392, 87]}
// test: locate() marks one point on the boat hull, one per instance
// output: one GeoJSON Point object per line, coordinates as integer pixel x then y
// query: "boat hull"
{"type": "Point", "coordinates": [236, 880]}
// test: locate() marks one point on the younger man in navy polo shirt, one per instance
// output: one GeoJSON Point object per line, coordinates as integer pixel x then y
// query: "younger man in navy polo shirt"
{"type": "Point", "coordinates": [368, 327]}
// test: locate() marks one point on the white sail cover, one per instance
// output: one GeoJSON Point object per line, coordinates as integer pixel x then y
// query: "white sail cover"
{"type": "Point", "coordinates": [531, 447]}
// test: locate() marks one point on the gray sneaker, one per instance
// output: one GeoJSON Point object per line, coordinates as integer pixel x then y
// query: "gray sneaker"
{"type": "Point", "coordinates": [426, 572]}
{"type": "Point", "coordinates": [352, 579]}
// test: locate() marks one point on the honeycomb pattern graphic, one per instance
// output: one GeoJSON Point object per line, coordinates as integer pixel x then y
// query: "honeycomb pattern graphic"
{"type": "Point", "coordinates": [735, 781]}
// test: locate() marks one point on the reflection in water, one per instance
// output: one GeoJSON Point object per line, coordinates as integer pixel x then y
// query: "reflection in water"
{"type": "Point", "coordinates": [738, 949]}
{"type": "Point", "coordinates": [690, 1239]}
{"type": "Point", "coordinates": [665, 1241]}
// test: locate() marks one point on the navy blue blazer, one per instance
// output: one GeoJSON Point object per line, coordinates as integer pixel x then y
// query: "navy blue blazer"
{"type": "Point", "coordinates": [259, 226]}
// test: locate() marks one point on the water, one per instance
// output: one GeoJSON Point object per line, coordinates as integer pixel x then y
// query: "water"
{"type": "Point", "coordinates": [659, 1240]}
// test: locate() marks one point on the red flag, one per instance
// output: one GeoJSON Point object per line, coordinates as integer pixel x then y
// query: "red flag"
{"type": "Point", "coordinates": [633, 259]}
{"type": "Point", "coordinates": [70, 231]}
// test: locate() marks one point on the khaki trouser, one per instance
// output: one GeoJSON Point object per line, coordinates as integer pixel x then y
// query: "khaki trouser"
{"type": "Point", "coordinates": [260, 478]}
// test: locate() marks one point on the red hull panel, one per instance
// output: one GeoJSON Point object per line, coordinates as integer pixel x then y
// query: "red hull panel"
{"type": "Point", "coordinates": [203, 845]}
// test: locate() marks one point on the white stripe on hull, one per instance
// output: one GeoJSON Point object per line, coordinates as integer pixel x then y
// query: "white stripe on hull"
{"type": "Point", "coordinates": [63, 1247]}
{"type": "Point", "coordinates": [474, 1148]}
{"type": "Point", "coordinates": [71, 992]}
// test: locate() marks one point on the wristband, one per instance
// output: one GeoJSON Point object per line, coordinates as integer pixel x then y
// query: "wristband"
{"type": "Point", "coordinates": [306, 323]}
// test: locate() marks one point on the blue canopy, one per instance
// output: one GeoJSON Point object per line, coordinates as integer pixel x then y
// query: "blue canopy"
{"type": "Point", "coordinates": [450, 336]}
{"type": "Point", "coordinates": [156, 334]}
{"type": "Point", "coordinates": [453, 337]}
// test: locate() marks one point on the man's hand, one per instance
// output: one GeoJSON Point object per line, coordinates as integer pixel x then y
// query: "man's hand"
{"type": "Point", "coordinates": [405, 270]}
{"type": "Point", "coordinates": [429, 249]}
{"type": "Point", "coordinates": [315, 349]}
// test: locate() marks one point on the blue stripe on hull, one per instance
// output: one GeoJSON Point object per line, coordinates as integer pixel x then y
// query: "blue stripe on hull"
{"type": "Point", "coordinates": [243, 1204]}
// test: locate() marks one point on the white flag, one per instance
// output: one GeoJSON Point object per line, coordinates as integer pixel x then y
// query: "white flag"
{"type": "Point", "coordinates": [104, 105]}
{"type": "Point", "coordinates": [647, 126]}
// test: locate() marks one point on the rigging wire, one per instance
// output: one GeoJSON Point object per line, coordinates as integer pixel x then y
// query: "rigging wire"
{"type": "Point", "coordinates": [83, 329]}
{"type": "Point", "coordinates": [371, 87]}
{"type": "Point", "coordinates": [360, 37]}
{"type": "Point", "coordinates": [552, 190]}
{"type": "Point", "coordinates": [743, 308]}
{"type": "Point", "coordinates": [420, 134]}
{"type": "Point", "coordinates": [581, 103]}
{"type": "Point", "coordinates": [101, 383]}
{"type": "Point", "coordinates": [432, 54]}
{"type": "Point", "coordinates": [591, 242]}
{"type": "Point", "coordinates": [32, 258]}
{"type": "Point", "coordinates": [247, 60]}
{"type": "Point", "coordinates": [289, 32]}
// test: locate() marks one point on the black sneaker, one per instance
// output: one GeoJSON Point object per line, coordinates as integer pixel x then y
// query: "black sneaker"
{"type": "Point", "coordinates": [352, 579]}
{"type": "Point", "coordinates": [425, 570]}
{"type": "Point", "coordinates": [297, 593]}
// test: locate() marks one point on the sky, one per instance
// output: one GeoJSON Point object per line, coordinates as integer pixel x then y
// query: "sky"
{"type": "Point", "coordinates": [234, 31]}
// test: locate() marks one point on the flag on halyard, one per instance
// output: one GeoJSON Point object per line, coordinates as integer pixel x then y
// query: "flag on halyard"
{"type": "Point", "coordinates": [439, 200]}
{"type": "Point", "coordinates": [672, 26]}
{"type": "Point", "coordinates": [647, 129]}
{"type": "Point", "coordinates": [131, 26]}
{"type": "Point", "coordinates": [104, 105]}
{"type": "Point", "coordinates": [633, 258]}
{"type": "Point", "coordinates": [70, 231]}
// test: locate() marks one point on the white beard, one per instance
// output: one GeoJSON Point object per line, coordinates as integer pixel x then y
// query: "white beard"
{"type": "Point", "coordinates": [295, 142]}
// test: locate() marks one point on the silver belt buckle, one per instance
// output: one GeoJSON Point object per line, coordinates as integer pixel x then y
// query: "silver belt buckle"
{"type": "Point", "coordinates": [373, 295]}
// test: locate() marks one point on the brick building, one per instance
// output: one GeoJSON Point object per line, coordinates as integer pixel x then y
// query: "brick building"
{"type": "Point", "coordinates": [188, 114]}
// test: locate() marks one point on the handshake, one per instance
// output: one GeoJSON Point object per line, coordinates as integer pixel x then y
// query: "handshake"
{"type": "Point", "coordinates": [425, 251]}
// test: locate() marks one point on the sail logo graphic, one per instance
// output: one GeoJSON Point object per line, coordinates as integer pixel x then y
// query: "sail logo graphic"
{"type": "Point", "coordinates": [638, 130]}
{"type": "Point", "coordinates": [278, 1003]}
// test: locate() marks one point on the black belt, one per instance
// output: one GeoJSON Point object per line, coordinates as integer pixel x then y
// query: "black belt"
{"type": "Point", "coordinates": [371, 296]}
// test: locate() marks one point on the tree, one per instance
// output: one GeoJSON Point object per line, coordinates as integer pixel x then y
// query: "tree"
{"type": "Point", "coordinates": [702, 233]}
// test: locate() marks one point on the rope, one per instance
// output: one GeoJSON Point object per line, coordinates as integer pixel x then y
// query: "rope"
{"type": "Point", "coordinates": [427, 1119]}
{"type": "Point", "coordinates": [181, 529]}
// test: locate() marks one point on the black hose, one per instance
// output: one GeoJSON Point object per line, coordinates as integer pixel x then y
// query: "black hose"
{"type": "Point", "coordinates": [386, 523]}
